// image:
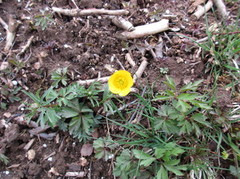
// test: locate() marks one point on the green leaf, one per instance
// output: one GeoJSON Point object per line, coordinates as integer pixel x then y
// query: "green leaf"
{"type": "Point", "coordinates": [200, 104]}
{"type": "Point", "coordinates": [147, 162]}
{"type": "Point", "coordinates": [200, 118]}
{"type": "Point", "coordinates": [172, 162]}
{"type": "Point", "coordinates": [159, 152]}
{"type": "Point", "coordinates": [68, 112]}
{"type": "Point", "coordinates": [35, 98]}
{"type": "Point", "coordinates": [162, 173]}
{"type": "Point", "coordinates": [173, 170]}
{"type": "Point", "coordinates": [182, 106]}
{"type": "Point", "coordinates": [188, 96]}
{"type": "Point", "coordinates": [140, 154]}
{"type": "Point", "coordinates": [159, 97]}
{"type": "Point", "coordinates": [170, 83]}
{"type": "Point", "coordinates": [191, 86]}
{"type": "Point", "coordinates": [52, 117]}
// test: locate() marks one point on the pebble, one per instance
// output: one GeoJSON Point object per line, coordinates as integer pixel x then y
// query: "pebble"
{"type": "Point", "coordinates": [50, 159]}
{"type": "Point", "coordinates": [14, 82]}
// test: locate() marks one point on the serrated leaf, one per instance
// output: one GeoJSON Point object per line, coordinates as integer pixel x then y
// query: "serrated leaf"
{"type": "Point", "coordinates": [162, 173]}
{"type": "Point", "coordinates": [52, 117]}
{"type": "Point", "coordinates": [172, 162]}
{"type": "Point", "coordinates": [173, 170]}
{"type": "Point", "coordinates": [200, 104]}
{"type": "Point", "coordinates": [200, 118]}
{"type": "Point", "coordinates": [182, 106]}
{"type": "Point", "coordinates": [147, 162]}
{"type": "Point", "coordinates": [140, 154]}
{"type": "Point", "coordinates": [170, 83]}
{"type": "Point", "coordinates": [68, 112]}
{"type": "Point", "coordinates": [159, 152]}
{"type": "Point", "coordinates": [191, 86]}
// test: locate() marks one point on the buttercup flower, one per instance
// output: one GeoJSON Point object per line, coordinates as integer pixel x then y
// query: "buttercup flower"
{"type": "Point", "coordinates": [120, 82]}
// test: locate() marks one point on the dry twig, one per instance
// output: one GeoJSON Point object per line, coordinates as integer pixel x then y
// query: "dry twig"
{"type": "Point", "coordinates": [203, 9]}
{"type": "Point", "coordinates": [141, 68]}
{"type": "Point", "coordinates": [130, 59]}
{"type": "Point", "coordinates": [147, 29]}
{"type": "Point", "coordinates": [221, 8]}
{"type": "Point", "coordinates": [25, 47]}
{"type": "Point", "coordinates": [88, 82]}
{"type": "Point", "coordinates": [86, 12]}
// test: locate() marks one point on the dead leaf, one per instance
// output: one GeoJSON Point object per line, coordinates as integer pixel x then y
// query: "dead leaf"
{"type": "Point", "coordinates": [87, 150]}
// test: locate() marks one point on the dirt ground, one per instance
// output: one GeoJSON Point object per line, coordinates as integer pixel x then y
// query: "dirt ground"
{"type": "Point", "coordinates": [85, 45]}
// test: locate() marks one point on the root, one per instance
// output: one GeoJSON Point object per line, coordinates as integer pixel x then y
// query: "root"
{"type": "Point", "coordinates": [86, 12]}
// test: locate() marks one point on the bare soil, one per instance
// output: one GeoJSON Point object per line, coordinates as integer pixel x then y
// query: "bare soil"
{"type": "Point", "coordinates": [85, 49]}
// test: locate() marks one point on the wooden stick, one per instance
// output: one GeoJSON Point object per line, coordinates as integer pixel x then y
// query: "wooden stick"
{"type": "Point", "coordinates": [203, 9]}
{"type": "Point", "coordinates": [86, 12]}
{"type": "Point", "coordinates": [145, 30]}
{"type": "Point", "coordinates": [221, 8]}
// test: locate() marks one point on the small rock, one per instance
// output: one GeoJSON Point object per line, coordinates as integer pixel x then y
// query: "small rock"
{"type": "Point", "coordinates": [31, 154]}
{"type": "Point", "coordinates": [37, 65]}
{"type": "Point", "coordinates": [7, 114]}
{"type": "Point", "coordinates": [179, 60]}
{"type": "Point", "coordinates": [14, 82]}
{"type": "Point", "coordinates": [4, 65]}
{"type": "Point", "coordinates": [83, 162]}
{"type": "Point", "coordinates": [50, 159]}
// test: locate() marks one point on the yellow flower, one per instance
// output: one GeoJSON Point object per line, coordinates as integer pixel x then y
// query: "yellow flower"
{"type": "Point", "coordinates": [120, 82]}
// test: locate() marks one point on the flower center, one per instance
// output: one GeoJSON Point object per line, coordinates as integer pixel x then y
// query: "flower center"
{"type": "Point", "coordinates": [121, 82]}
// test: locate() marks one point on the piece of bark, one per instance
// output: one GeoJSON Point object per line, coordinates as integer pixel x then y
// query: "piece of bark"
{"type": "Point", "coordinates": [86, 12]}
{"type": "Point", "coordinates": [203, 9]}
{"type": "Point", "coordinates": [147, 29]}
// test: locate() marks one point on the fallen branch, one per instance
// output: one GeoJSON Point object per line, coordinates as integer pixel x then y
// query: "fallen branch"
{"type": "Point", "coordinates": [203, 9]}
{"type": "Point", "coordinates": [88, 82]}
{"type": "Point", "coordinates": [86, 12]}
{"type": "Point", "coordinates": [221, 8]}
{"type": "Point", "coordinates": [141, 69]}
{"type": "Point", "coordinates": [145, 30]}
